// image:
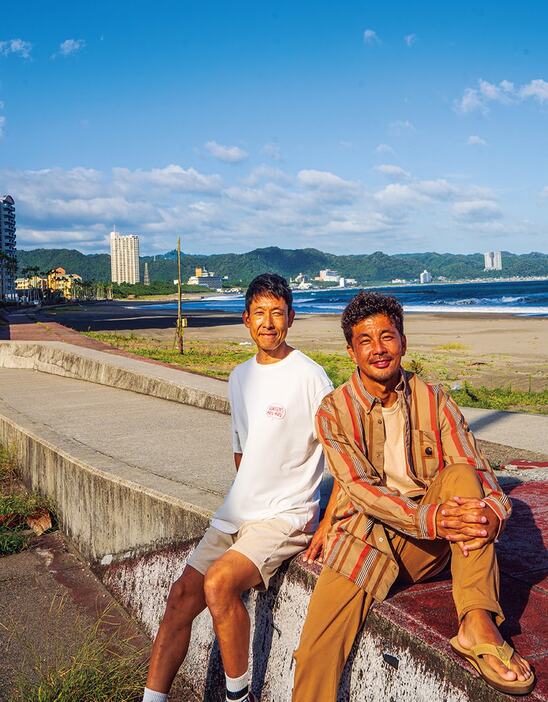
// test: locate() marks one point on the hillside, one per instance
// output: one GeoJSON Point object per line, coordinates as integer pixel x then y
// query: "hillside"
{"type": "Point", "coordinates": [375, 267]}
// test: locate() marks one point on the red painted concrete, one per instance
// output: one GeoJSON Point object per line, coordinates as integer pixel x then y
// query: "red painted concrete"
{"type": "Point", "coordinates": [527, 464]}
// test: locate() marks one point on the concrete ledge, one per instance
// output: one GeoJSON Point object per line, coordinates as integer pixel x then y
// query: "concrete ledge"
{"type": "Point", "coordinates": [105, 515]}
{"type": "Point", "coordinates": [116, 371]}
{"type": "Point", "coordinates": [138, 540]}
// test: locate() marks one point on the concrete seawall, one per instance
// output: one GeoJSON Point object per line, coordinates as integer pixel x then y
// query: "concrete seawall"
{"type": "Point", "coordinates": [137, 541]}
{"type": "Point", "coordinates": [115, 371]}
{"type": "Point", "coordinates": [137, 525]}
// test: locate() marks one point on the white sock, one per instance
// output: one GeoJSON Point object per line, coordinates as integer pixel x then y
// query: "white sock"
{"type": "Point", "coordinates": [153, 696]}
{"type": "Point", "coordinates": [237, 689]}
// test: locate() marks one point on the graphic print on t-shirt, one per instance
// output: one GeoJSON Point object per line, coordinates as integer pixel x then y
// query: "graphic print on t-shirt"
{"type": "Point", "coordinates": [276, 411]}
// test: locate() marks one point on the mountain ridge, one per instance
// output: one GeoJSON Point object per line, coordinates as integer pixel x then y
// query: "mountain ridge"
{"type": "Point", "coordinates": [241, 268]}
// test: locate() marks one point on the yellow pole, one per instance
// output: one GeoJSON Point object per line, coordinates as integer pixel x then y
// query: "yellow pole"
{"type": "Point", "coordinates": [179, 301]}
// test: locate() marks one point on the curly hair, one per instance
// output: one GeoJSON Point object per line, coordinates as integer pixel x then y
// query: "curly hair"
{"type": "Point", "coordinates": [366, 304]}
{"type": "Point", "coordinates": [271, 285]}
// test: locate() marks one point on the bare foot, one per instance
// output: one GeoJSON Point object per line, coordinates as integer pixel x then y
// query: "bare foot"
{"type": "Point", "coordinates": [478, 627]}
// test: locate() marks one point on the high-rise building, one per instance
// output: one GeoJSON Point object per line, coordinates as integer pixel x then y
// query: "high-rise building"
{"type": "Point", "coordinates": [146, 276]}
{"type": "Point", "coordinates": [8, 259]}
{"type": "Point", "coordinates": [493, 260]}
{"type": "Point", "coordinates": [124, 258]}
{"type": "Point", "coordinates": [425, 277]}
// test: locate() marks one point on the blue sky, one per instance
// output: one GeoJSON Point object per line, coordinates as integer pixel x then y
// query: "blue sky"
{"type": "Point", "coordinates": [349, 127]}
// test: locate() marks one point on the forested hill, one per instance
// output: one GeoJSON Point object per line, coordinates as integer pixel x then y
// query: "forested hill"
{"type": "Point", "coordinates": [375, 267]}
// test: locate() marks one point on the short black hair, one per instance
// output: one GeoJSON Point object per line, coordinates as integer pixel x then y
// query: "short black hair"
{"type": "Point", "coordinates": [271, 285]}
{"type": "Point", "coordinates": [366, 304]}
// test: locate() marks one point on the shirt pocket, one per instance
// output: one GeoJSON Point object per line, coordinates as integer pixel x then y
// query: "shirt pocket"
{"type": "Point", "coordinates": [425, 450]}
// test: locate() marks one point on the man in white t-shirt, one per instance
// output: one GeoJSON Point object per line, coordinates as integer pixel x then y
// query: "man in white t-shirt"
{"type": "Point", "coordinates": [271, 510]}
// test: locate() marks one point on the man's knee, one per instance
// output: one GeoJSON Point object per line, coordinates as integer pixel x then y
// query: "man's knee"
{"type": "Point", "coordinates": [185, 596]}
{"type": "Point", "coordinates": [462, 479]}
{"type": "Point", "coordinates": [219, 587]}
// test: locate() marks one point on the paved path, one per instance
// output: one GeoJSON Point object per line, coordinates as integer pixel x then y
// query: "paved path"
{"type": "Point", "coordinates": [182, 451]}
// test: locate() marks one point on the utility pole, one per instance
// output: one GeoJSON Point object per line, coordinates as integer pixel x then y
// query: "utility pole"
{"type": "Point", "coordinates": [180, 321]}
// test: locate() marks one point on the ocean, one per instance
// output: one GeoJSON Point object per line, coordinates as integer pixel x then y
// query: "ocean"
{"type": "Point", "coordinates": [528, 298]}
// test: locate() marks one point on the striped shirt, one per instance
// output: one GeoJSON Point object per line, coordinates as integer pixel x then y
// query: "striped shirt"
{"type": "Point", "coordinates": [350, 426]}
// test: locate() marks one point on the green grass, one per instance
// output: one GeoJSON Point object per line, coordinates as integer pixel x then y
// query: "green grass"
{"type": "Point", "coordinates": [103, 669]}
{"type": "Point", "coordinates": [453, 346]}
{"type": "Point", "coordinates": [16, 504]}
{"type": "Point", "coordinates": [216, 359]}
{"type": "Point", "coordinates": [502, 399]}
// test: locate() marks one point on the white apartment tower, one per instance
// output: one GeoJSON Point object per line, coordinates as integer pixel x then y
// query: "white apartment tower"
{"type": "Point", "coordinates": [124, 258]}
{"type": "Point", "coordinates": [493, 261]}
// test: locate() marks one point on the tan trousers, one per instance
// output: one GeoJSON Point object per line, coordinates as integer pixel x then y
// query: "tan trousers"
{"type": "Point", "coordinates": [338, 608]}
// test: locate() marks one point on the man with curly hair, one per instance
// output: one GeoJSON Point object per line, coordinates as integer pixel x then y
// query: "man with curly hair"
{"type": "Point", "coordinates": [412, 491]}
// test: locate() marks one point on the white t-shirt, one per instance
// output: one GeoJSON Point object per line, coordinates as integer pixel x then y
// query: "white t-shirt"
{"type": "Point", "coordinates": [273, 409]}
{"type": "Point", "coordinates": [395, 470]}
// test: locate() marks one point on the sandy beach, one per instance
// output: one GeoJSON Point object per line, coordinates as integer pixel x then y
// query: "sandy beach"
{"type": "Point", "coordinates": [495, 350]}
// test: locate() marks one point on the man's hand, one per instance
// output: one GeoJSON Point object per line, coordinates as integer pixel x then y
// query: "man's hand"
{"type": "Point", "coordinates": [467, 521]}
{"type": "Point", "coordinates": [316, 548]}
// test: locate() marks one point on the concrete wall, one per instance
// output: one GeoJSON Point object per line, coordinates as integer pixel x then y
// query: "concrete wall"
{"type": "Point", "coordinates": [117, 372]}
{"type": "Point", "coordinates": [386, 664]}
{"type": "Point", "coordinates": [137, 541]}
{"type": "Point", "coordinates": [106, 517]}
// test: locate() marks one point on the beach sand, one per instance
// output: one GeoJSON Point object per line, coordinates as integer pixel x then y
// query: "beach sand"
{"type": "Point", "coordinates": [494, 350]}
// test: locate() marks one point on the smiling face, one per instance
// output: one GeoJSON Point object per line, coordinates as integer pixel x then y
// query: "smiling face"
{"type": "Point", "coordinates": [268, 321]}
{"type": "Point", "coordinates": [377, 348]}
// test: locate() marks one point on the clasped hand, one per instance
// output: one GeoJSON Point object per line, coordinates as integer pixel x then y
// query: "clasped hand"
{"type": "Point", "coordinates": [468, 522]}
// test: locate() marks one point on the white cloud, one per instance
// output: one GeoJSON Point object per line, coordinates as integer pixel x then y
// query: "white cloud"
{"type": "Point", "coordinates": [266, 173]}
{"type": "Point", "coordinates": [71, 46]}
{"type": "Point", "coordinates": [477, 210]}
{"type": "Point", "coordinates": [537, 89]}
{"type": "Point", "coordinates": [2, 125]}
{"type": "Point", "coordinates": [475, 140]}
{"type": "Point", "coordinates": [505, 93]}
{"type": "Point", "coordinates": [16, 46]}
{"type": "Point", "coordinates": [172, 178]}
{"type": "Point", "coordinates": [77, 207]}
{"type": "Point", "coordinates": [324, 180]}
{"type": "Point", "coordinates": [229, 154]}
{"type": "Point", "coordinates": [272, 151]}
{"type": "Point", "coordinates": [410, 39]}
{"type": "Point", "coordinates": [392, 172]}
{"type": "Point", "coordinates": [370, 36]}
{"type": "Point", "coordinates": [384, 149]}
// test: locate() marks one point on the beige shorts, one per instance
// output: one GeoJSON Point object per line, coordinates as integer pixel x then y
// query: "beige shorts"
{"type": "Point", "coordinates": [267, 544]}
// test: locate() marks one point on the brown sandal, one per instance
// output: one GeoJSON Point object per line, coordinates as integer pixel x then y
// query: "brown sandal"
{"type": "Point", "coordinates": [504, 653]}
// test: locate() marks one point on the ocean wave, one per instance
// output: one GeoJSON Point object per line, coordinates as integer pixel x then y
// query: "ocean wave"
{"type": "Point", "coordinates": [478, 309]}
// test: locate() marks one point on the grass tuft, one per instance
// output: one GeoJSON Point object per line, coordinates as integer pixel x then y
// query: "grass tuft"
{"type": "Point", "coordinates": [104, 668]}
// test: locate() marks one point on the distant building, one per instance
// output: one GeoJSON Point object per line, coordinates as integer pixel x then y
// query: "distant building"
{"type": "Point", "coordinates": [146, 276]}
{"type": "Point", "coordinates": [124, 258]}
{"type": "Point", "coordinates": [328, 276]}
{"type": "Point", "coordinates": [425, 277]}
{"type": "Point", "coordinates": [493, 261]}
{"type": "Point", "coordinates": [58, 280]}
{"type": "Point", "coordinates": [8, 254]}
{"type": "Point", "coordinates": [205, 278]}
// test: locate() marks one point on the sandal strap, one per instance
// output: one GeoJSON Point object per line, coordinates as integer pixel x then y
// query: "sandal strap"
{"type": "Point", "coordinates": [504, 652]}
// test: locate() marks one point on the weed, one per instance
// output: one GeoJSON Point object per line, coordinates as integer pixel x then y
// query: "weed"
{"type": "Point", "coordinates": [104, 668]}
{"type": "Point", "coordinates": [452, 346]}
{"type": "Point", "coordinates": [12, 540]}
